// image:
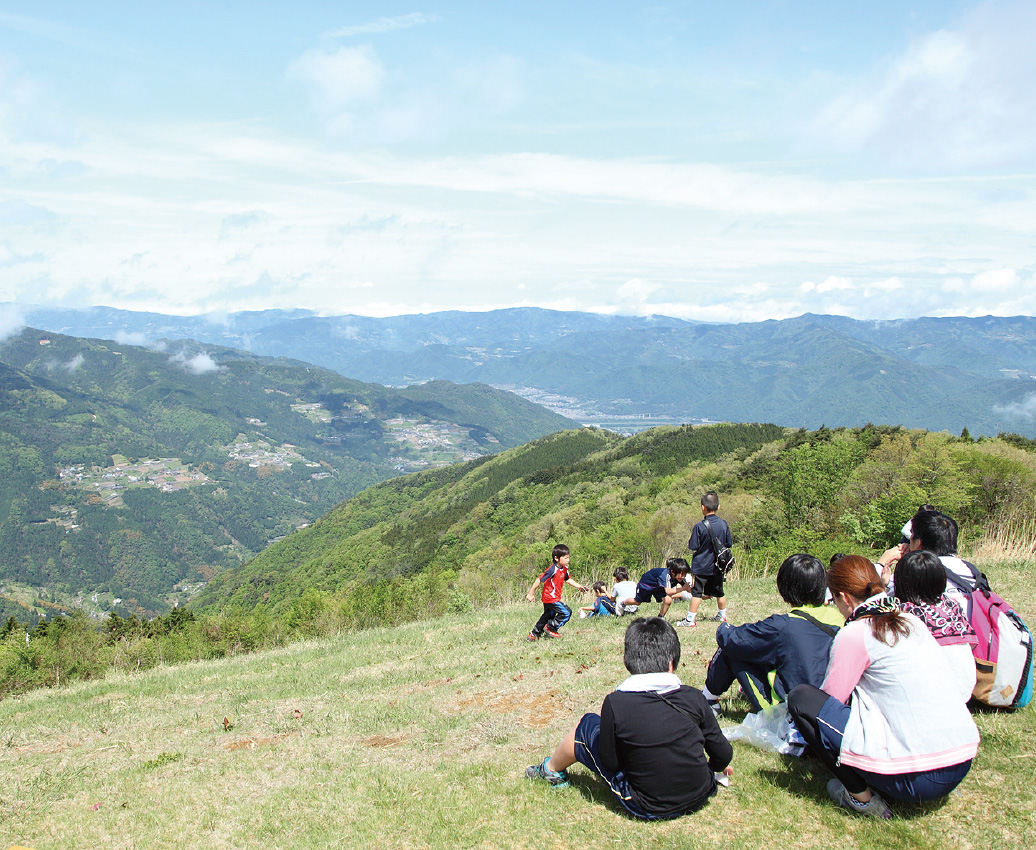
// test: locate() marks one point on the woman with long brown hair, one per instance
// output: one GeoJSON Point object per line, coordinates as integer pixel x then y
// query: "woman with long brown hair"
{"type": "Point", "coordinates": [889, 717]}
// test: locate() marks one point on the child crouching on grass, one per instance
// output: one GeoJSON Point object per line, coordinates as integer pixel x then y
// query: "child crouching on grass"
{"type": "Point", "coordinates": [656, 742]}
{"type": "Point", "coordinates": [604, 605]}
{"type": "Point", "coordinates": [555, 612]}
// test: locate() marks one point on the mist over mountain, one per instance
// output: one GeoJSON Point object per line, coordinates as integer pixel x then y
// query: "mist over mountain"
{"type": "Point", "coordinates": [936, 373]}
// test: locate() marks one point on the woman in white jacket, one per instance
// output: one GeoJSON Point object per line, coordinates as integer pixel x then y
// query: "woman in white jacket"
{"type": "Point", "coordinates": [889, 718]}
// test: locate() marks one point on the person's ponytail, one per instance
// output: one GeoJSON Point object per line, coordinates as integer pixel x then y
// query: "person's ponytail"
{"type": "Point", "coordinates": [856, 577]}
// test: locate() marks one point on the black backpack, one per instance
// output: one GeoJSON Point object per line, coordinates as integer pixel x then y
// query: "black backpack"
{"type": "Point", "coordinates": [724, 557]}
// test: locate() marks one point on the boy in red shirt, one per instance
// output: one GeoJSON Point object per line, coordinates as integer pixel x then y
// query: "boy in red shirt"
{"type": "Point", "coordinates": [555, 612]}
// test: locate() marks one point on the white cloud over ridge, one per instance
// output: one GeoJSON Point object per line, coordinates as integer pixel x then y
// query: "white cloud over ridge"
{"type": "Point", "coordinates": [131, 338]}
{"type": "Point", "coordinates": [197, 364]}
{"type": "Point", "coordinates": [1024, 410]}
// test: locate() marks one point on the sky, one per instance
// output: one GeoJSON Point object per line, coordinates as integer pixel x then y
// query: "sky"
{"type": "Point", "coordinates": [724, 162]}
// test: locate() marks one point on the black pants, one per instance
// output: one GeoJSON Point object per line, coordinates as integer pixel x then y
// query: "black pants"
{"type": "Point", "coordinates": [804, 705]}
{"type": "Point", "coordinates": [753, 678]}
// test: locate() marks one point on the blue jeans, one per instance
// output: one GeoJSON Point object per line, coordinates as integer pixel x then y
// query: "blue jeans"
{"type": "Point", "coordinates": [555, 615]}
{"type": "Point", "coordinates": [822, 720]}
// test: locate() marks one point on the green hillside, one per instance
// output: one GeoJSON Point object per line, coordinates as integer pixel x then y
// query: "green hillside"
{"type": "Point", "coordinates": [477, 533]}
{"type": "Point", "coordinates": [474, 535]}
{"type": "Point", "coordinates": [129, 475]}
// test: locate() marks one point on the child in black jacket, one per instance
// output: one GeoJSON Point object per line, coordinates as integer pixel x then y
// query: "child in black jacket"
{"type": "Point", "coordinates": [656, 742]}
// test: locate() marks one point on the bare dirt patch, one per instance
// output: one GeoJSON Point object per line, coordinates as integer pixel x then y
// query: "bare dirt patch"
{"type": "Point", "coordinates": [537, 710]}
{"type": "Point", "coordinates": [252, 743]}
{"type": "Point", "coordinates": [382, 741]}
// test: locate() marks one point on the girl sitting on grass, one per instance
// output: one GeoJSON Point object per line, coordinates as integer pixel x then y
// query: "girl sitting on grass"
{"type": "Point", "coordinates": [906, 733]}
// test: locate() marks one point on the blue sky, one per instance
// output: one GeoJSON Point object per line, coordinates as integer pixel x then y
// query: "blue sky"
{"type": "Point", "coordinates": [734, 161]}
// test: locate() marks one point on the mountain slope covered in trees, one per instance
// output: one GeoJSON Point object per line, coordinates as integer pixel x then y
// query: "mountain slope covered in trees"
{"type": "Point", "coordinates": [128, 473]}
{"type": "Point", "coordinates": [935, 373]}
{"type": "Point", "coordinates": [479, 532]}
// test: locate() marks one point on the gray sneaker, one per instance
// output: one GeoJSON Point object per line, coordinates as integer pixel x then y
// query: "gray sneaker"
{"type": "Point", "coordinates": [875, 807]}
{"type": "Point", "coordinates": [687, 623]}
{"type": "Point", "coordinates": [558, 779]}
{"type": "Point", "coordinates": [718, 618]}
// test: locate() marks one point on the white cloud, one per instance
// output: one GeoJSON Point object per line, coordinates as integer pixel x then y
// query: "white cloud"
{"type": "Point", "coordinates": [74, 364]}
{"type": "Point", "coordinates": [198, 364]}
{"type": "Point", "coordinates": [399, 22]}
{"type": "Point", "coordinates": [340, 78]}
{"type": "Point", "coordinates": [962, 96]}
{"type": "Point", "coordinates": [835, 284]}
{"type": "Point", "coordinates": [995, 280]}
{"type": "Point", "coordinates": [268, 223]}
{"type": "Point", "coordinates": [1024, 410]}
{"type": "Point", "coordinates": [130, 338]}
{"type": "Point", "coordinates": [12, 320]}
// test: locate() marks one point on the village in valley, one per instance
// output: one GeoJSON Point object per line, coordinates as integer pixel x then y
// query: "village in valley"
{"type": "Point", "coordinates": [421, 445]}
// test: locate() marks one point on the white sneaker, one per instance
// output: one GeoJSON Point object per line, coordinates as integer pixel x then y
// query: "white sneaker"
{"type": "Point", "coordinates": [688, 623]}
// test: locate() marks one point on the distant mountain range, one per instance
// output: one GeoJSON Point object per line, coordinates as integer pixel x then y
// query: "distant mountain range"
{"type": "Point", "coordinates": [134, 473]}
{"type": "Point", "coordinates": [934, 373]}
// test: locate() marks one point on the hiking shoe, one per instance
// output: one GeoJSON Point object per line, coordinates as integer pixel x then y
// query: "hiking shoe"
{"type": "Point", "coordinates": [875, 807]}
{"type": "Point", "coordinates": [557, 779]}
{"type": "Point", "coordinates": [688, 623]}
{"type": "Point", "coordinates": [532, 636]}
{"type": "Point", "coordinates": [550, 633]}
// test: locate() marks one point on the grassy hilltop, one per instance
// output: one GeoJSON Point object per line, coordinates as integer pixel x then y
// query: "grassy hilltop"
{"type": "Point", "coordinates": [418, 735]}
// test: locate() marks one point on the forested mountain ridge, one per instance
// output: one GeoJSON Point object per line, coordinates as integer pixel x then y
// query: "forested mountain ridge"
{"type": "Point", "coordinates": [935, 373]}
{"type": "Point", "coordinates": [126, 472]}
{"type": "Point", "coordinates": [478, 533]}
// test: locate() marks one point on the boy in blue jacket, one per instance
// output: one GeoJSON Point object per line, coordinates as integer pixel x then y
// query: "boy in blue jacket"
{"type": "Point", "coordinates": [771, 657]}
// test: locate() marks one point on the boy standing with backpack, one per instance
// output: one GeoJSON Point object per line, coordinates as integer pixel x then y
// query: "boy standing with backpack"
{"type": "Point", "coordinates": [555, 612]}
{"type": "Point", "coordinates": [708, 536]}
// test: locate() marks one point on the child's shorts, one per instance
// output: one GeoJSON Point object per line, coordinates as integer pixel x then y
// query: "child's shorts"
{"type": "Point", "coordinates": [588, 735]}
{"type": "Point", "coordinates": [646, 594]}
{"type": "Point", "coordinates": [708, 586]}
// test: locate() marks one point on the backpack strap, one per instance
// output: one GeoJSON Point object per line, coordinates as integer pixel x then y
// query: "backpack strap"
{"type": "Point", "coordinates": [675, 707]}
{"type": "Point", "coordinates": [978, 580]}
{"type": "Point", "coordinates": [712, 534]}
{"type": "Point", "coordinates": [824, 627]}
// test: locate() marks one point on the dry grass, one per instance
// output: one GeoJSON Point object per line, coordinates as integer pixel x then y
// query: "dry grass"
{"type": "Point", "coordinates": [418, 737]}
{"type": "Point", "coordinates": [1007, 544]}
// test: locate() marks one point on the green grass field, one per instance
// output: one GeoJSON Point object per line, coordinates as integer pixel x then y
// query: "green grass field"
{"type": "Point", "coordinates": [419, 736]}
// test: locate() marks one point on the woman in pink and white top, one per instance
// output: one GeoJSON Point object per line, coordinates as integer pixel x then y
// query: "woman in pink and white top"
{"type": "Point", "coordinates": [889, 717]}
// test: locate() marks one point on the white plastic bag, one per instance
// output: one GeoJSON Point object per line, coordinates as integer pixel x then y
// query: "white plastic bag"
{"type": "Point", "coordinates": [769, 729]}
